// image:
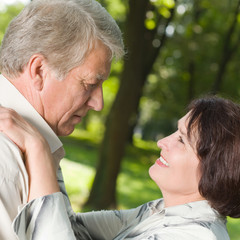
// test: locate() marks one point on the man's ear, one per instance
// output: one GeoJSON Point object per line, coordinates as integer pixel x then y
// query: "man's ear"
{"type": "Point", "coordinates": [36, 67]}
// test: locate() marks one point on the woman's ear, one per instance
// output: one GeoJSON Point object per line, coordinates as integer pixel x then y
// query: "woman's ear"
{"type": "Point", "coordinates": [36, 67]}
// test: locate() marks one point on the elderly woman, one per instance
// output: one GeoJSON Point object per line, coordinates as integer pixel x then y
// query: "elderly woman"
{"type": "Point", "coordinates": [198, 173]}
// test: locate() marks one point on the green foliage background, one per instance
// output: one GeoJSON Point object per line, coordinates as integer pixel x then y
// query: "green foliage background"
{"type": "Point", "coordinates": [134, 184]}
{"type": "Point", "coordinates": [196, 39]}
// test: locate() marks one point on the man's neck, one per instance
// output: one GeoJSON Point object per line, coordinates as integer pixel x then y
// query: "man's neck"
{"type": "Point", "coordinates": [24, 85]}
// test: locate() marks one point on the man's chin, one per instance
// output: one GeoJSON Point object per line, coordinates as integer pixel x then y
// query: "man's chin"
{"type": "Point", "coordinates": [65, 132]}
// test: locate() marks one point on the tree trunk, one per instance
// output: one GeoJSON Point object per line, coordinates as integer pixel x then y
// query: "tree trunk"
{"type": "Point", "coordinates": [137, 65]}
{"type": "Point", "coordinates": [227, 52]}
{"type": "Point", "coordinates": [198, 11]}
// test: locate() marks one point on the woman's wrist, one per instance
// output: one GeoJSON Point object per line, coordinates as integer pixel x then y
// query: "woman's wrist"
{"type": "Point", "coordinates": [40, 167]}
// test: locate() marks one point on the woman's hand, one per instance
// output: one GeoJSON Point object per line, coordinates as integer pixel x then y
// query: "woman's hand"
{"type": "Point", "coordinates": [24, 135]}
{"type": "Point", "coordinates": [38, 158]}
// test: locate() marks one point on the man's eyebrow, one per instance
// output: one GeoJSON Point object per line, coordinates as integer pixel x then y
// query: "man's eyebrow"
{"type": "Point", "coordinates": [100, 77]}
{"type": "Point", "coordinates": [93, 78]}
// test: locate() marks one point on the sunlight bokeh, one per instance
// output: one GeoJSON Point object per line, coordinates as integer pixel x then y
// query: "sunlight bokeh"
{"type": "Point", "coordinates": [9, 2]}
{"type": "Point", "coordinates": [5, 3]}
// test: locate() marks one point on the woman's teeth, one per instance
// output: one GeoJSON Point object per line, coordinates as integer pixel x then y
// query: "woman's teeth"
{"type": "Point", "coordinates": [163, 161]}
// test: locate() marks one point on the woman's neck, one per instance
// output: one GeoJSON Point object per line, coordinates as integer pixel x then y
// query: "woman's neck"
{"type": "Point", "coordinates": [179, 199]}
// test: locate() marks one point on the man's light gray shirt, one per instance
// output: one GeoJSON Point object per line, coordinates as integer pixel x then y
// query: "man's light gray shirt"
{"type": "Point", "coordinates": [48, 217]}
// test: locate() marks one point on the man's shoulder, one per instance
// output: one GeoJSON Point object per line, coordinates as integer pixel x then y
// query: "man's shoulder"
{"type": "Point", "coordinates": [10, 155]}
{"type": "Point", "coordinates": [7, 145]}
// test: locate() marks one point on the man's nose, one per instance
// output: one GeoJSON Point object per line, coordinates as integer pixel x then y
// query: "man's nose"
{"type": "Point", "coordinates": [96, 99]}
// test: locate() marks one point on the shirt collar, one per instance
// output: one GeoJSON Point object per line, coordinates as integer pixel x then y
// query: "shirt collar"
{"type": "Point", "coordinates": [10, 97]}
{"type": "Point", "coordinates": [197, 209]}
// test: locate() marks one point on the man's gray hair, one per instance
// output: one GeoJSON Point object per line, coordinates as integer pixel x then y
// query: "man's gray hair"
{"type": "Point", "coordinates": [63, 31]}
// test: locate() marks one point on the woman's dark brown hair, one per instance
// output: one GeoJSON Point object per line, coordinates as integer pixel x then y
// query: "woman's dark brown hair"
{"type": "Point", "coordinates": [216, 123]}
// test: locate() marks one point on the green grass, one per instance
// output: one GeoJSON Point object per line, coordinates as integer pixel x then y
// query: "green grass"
{"type": "Point", "coordinates": [134, 185]}
{"type": "Point", "coordinates": [234, 228]}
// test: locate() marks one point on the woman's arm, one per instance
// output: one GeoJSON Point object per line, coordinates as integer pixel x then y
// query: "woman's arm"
{"type": "Point", "coordinates": [45, 216]}
{"type": "Point", "coordinates": [36, 152]}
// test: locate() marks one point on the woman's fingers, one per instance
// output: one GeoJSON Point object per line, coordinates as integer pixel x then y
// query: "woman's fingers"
{"type": "Point", "coordinates": [9, 124]}
{"type": "Point", "coordinates": [18, 129]}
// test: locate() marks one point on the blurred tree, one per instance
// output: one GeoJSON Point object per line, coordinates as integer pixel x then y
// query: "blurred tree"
{"type": "Point", "coordinates": [197, 59]}
{"type": "Point", "coordinates": [159, 77]}
{"type": "Point", "coordinates": [228, 49]}
{"type": "Point", "coordinates": [145, 34]}
{"type": "Point", "coordinates": [200, 57]}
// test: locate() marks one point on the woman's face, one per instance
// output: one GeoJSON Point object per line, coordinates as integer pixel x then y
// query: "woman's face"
{"type": "Point", "coordinates": [176, 170]}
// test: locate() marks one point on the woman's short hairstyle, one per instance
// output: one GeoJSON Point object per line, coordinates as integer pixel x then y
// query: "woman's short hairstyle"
{"type": "Point", "coordinates": [216, 124]}
{"type": "Point", "coordinates": [63, 31]}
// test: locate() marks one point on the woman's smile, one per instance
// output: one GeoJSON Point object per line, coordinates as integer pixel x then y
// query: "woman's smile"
{"type": "Point", "coordinates": [162, 162]}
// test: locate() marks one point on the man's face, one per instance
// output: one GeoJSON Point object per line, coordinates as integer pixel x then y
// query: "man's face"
{"type": "Point", "coordinates": [66, 102]}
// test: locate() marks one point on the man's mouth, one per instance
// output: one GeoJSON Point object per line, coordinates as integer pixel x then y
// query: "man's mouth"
{"type": "Point", "coordinates": [77, 118]}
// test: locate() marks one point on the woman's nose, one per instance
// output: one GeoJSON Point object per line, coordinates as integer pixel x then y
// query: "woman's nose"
{"type": "Point", "coordinates": [164, 142]}
{"type": "Point", "coordinates": [160, 143]}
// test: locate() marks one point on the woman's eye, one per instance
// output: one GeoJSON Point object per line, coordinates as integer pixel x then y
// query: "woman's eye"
{"type": "Point", "coordinates": [180, 139]}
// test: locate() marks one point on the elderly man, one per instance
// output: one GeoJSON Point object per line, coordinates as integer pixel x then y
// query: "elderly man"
{"type": "Point", "coordinates": [54, 58]}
